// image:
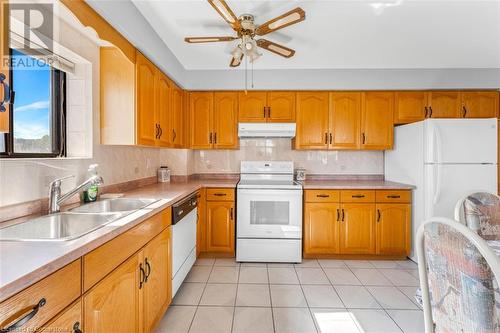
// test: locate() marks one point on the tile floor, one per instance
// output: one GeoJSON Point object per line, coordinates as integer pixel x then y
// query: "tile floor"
{"type": "Point", "coordinates": [220, 295]}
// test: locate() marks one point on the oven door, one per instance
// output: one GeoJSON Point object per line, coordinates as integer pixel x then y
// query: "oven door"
{"type": "Point", "coordinates": [269, 213]}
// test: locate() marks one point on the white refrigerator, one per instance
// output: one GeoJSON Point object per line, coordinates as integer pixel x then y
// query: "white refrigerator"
{"type": "Point", "coordinates": [445, 159]}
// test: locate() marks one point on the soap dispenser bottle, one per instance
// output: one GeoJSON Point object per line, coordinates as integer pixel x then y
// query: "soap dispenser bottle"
{"type": "Point", "coordinates": [90, 194]}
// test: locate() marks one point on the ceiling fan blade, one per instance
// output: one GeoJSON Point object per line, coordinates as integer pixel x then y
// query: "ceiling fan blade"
{"type": "Point", "coordinates": [208, 39]}
{"type": "Point", "coordinates": [235, 62]}
{"type": "Point", "coordinates": [294, 16]}
{"type": "Point", "coordinates": [227, 14]}
{"type": "Point", "coordinates": [276, 48]}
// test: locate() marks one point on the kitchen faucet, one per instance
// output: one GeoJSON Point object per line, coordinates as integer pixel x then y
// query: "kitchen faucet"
{"type": "Point", "coordinates": [55, 197]}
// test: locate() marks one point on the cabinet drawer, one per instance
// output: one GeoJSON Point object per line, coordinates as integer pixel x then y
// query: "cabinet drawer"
{"type": "Point", "coordinates": [393, 196]}
{"type": "Point", "coordinates": [67, 322]}
{"type": "Point", "coordinates": [43, 300]}
{"type": "Point", "coordinates": [322, 195]}
{"type": "Point", "coordinates": [220, 194]}
{"type": "Point", "coordinates": [357, 196]}
{"type": "Point", "coordinates": [98, 263]}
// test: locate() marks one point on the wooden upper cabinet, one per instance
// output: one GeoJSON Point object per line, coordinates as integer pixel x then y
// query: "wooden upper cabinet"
{"type": "Point", "coordinates": [393, 229]}
{"type": "Point", "coordinates": [220, 226]}
{"type": "Point", "coordinates": [357, 228]}
{"type": "Point", "coordinates": [410, 106]}
{"type": "Point", "coordinates": [252, 106]}
{"type": "Point", "coordinates": [444, 104]}
{"type": "Point", "coordinates": [321, 228]}
{"type": "Point", "coordinates": [163, 110]}
{"type": "Point", "coordinates": [177, 134]}
{"type": "Point", "coordinates": [312, 120]}
{"type": "Point", "coordinates": [157, 293]}
{"type": "Point", "coordinates": [4, 46]}
{"type": "Point", "coordinates": [145, 91]}
{"type": "Point", "coordinates": [345, 120]}
{"type": "Point", "coordinates": [225, 120]}
{"type": "Point", "coordinates": [281, 106]}
{"type": "Point", "coordinates": [113, 304]}
{"type": "Point", "coordinates": [377, 120]}
{"type": "Point", "coordinates": [201, 119]}
{"type": "Point", "coordinates": [480, 104]}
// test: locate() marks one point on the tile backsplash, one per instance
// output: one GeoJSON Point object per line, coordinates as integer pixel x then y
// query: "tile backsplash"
{"type": "Point", "coordinates": [315, 162]}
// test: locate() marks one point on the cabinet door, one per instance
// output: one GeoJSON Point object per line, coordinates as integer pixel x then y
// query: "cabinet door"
{"type": "Point", "coordinates": [321, 228]}
{"type": "Point", "coordinates": [345, 120]}
{"type": "Point", "coordinates": [113, 304]}
{"type": "Point", "coordinates": [158, 286]}
{"type": "Point", "coordinates": [445, 104]}
{"type": "Point", "coordinates": [281, 106]}
{"type": "Point", "coordinates": [69, 321]}
{"type": "Point", "coordinates": [410, 106]}
{"type": "Point", "coordinates": [357, 229]}
{"type": "Point", "coordinates": [177, 130]}
{"type": "Point", "coordinates": [252, 106]}
{"type": "Point", "coordinates": [201, 119]}
{"type": "Point", "coordinates": [225, 120]}
{"type": "Point", "coordinates": [312, 120]}
{"type": "Point", "coordinates": [163, 110]}
{"type": "Point", "coordinates": [145, 91]}
{"type": "Point", "coordinates": [480, 104]}
{"type": "Point", "coordinates": [393, 229]}
{"type": "Point", "coordinates": [377, 120]}
{"type": "Point", "coordinates": [220, 226]}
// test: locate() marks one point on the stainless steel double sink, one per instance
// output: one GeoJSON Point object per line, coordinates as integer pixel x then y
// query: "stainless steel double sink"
{"type": "Point", "coordinates": [75, 223]}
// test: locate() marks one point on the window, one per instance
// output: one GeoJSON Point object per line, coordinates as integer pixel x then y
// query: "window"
{"type": "Point", "coordinates": [37, 119]}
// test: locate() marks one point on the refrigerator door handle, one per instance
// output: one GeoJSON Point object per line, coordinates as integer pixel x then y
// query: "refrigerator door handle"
{"type": "Point", "coordinates": [437, 185]}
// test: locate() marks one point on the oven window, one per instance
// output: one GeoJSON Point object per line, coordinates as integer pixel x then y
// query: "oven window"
{"type": "Point", "coordinates": [269, 212]}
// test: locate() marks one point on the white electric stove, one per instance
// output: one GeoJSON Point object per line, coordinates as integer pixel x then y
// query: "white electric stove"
{"type": "Point", "coordinates": [269, 213]}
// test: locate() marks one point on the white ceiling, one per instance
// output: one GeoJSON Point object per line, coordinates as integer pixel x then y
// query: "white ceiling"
{"type": "Point", "coordinates": [349, 34]}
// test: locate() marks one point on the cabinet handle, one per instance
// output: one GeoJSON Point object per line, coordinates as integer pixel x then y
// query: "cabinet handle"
{"type": "Point", "coordinates": [76, 327]}
{"type": "Point", "coordinates": [142, 275]}
{"type": "Point", "coordinates": [378, 215]}
{"type": "Point", "coordinates": [326, 138]}
{"type": "Point", "coordinates": [210, 138]}
{"type": "Point", "coordinates": [156, 131]}
{"type": "Point", "coordinates": [268, 112]}
{"type": "Point", "coordinates": [343, 214]}
{"type": "Point", "coordinates": [24, 319]}
{"type": "Point", "coordinates": [215, 137]}
{"type": "Point", "coordinates": [6, 92]}
{"type": "Point", "coordinates": [331, 138]}
{"type": "Point", "coordinates": [465, 111]}
{"type": "Point", "coordinates": [363, 137]}
{"type": "Point", "coordinates": [338, 214]}
{"type": "Point", "coordinates": [220, 194]}
{"type": "Point", "coordinates": [426, 111]}
{"type": "Point", "coordinates": [358, 196]}
{"type": "Point", "coordinates": [231, 212]}
{"type": "Point", "coordinates": [161, 132]}
{"type": "Point", "coordinates": [264, 112]}
{"type": "Point", "coordinates": [430, 108]}
{"type": "Point", "coordinates": [174, 135]}
{"type": "Point", "coordinates": [323, 195]}
{"type": "Point", "coordinates": [393, 196]}
{"type": "Point", "coordinates": [148, 270]}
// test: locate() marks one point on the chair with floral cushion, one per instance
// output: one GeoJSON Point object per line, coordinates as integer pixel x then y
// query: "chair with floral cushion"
{"type": "Point", "coordinates": [480, 212]}
{"type": "Point", "coordinates": [459, 273]}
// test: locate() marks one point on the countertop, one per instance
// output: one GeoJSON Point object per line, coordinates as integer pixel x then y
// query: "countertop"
{"type": "Point", "coordinates": [24, 263]}
{"type": "Point", "coordinates": [354, 185]}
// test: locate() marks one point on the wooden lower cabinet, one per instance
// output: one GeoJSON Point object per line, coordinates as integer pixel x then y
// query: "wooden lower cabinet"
{"type": "Point", "coordinates": [321, 228]}
{"type": "Point", "coordinates": [69, 321]}
{"type": "Point", "coordinates": [220, 226]}
{"type": "Point", "coordinates": [393, 229]}
{"type": "Point", "coordinates": [158, 286]}
{"type": "Point", "coordinates": [113, 304]}
{"type": "Point", "coordinates": [357, 229]}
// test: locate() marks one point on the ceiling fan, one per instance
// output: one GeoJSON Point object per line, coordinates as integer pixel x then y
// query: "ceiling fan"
{"type": "Point", "coordinates": [246, 31]}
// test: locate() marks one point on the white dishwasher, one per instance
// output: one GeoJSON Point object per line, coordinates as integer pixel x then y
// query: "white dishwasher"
{"type": "Point", "coordinates": [184, 218]}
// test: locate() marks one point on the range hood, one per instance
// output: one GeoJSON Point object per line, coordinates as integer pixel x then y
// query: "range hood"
{"type": "Point", "coordinates": [266, 130]}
